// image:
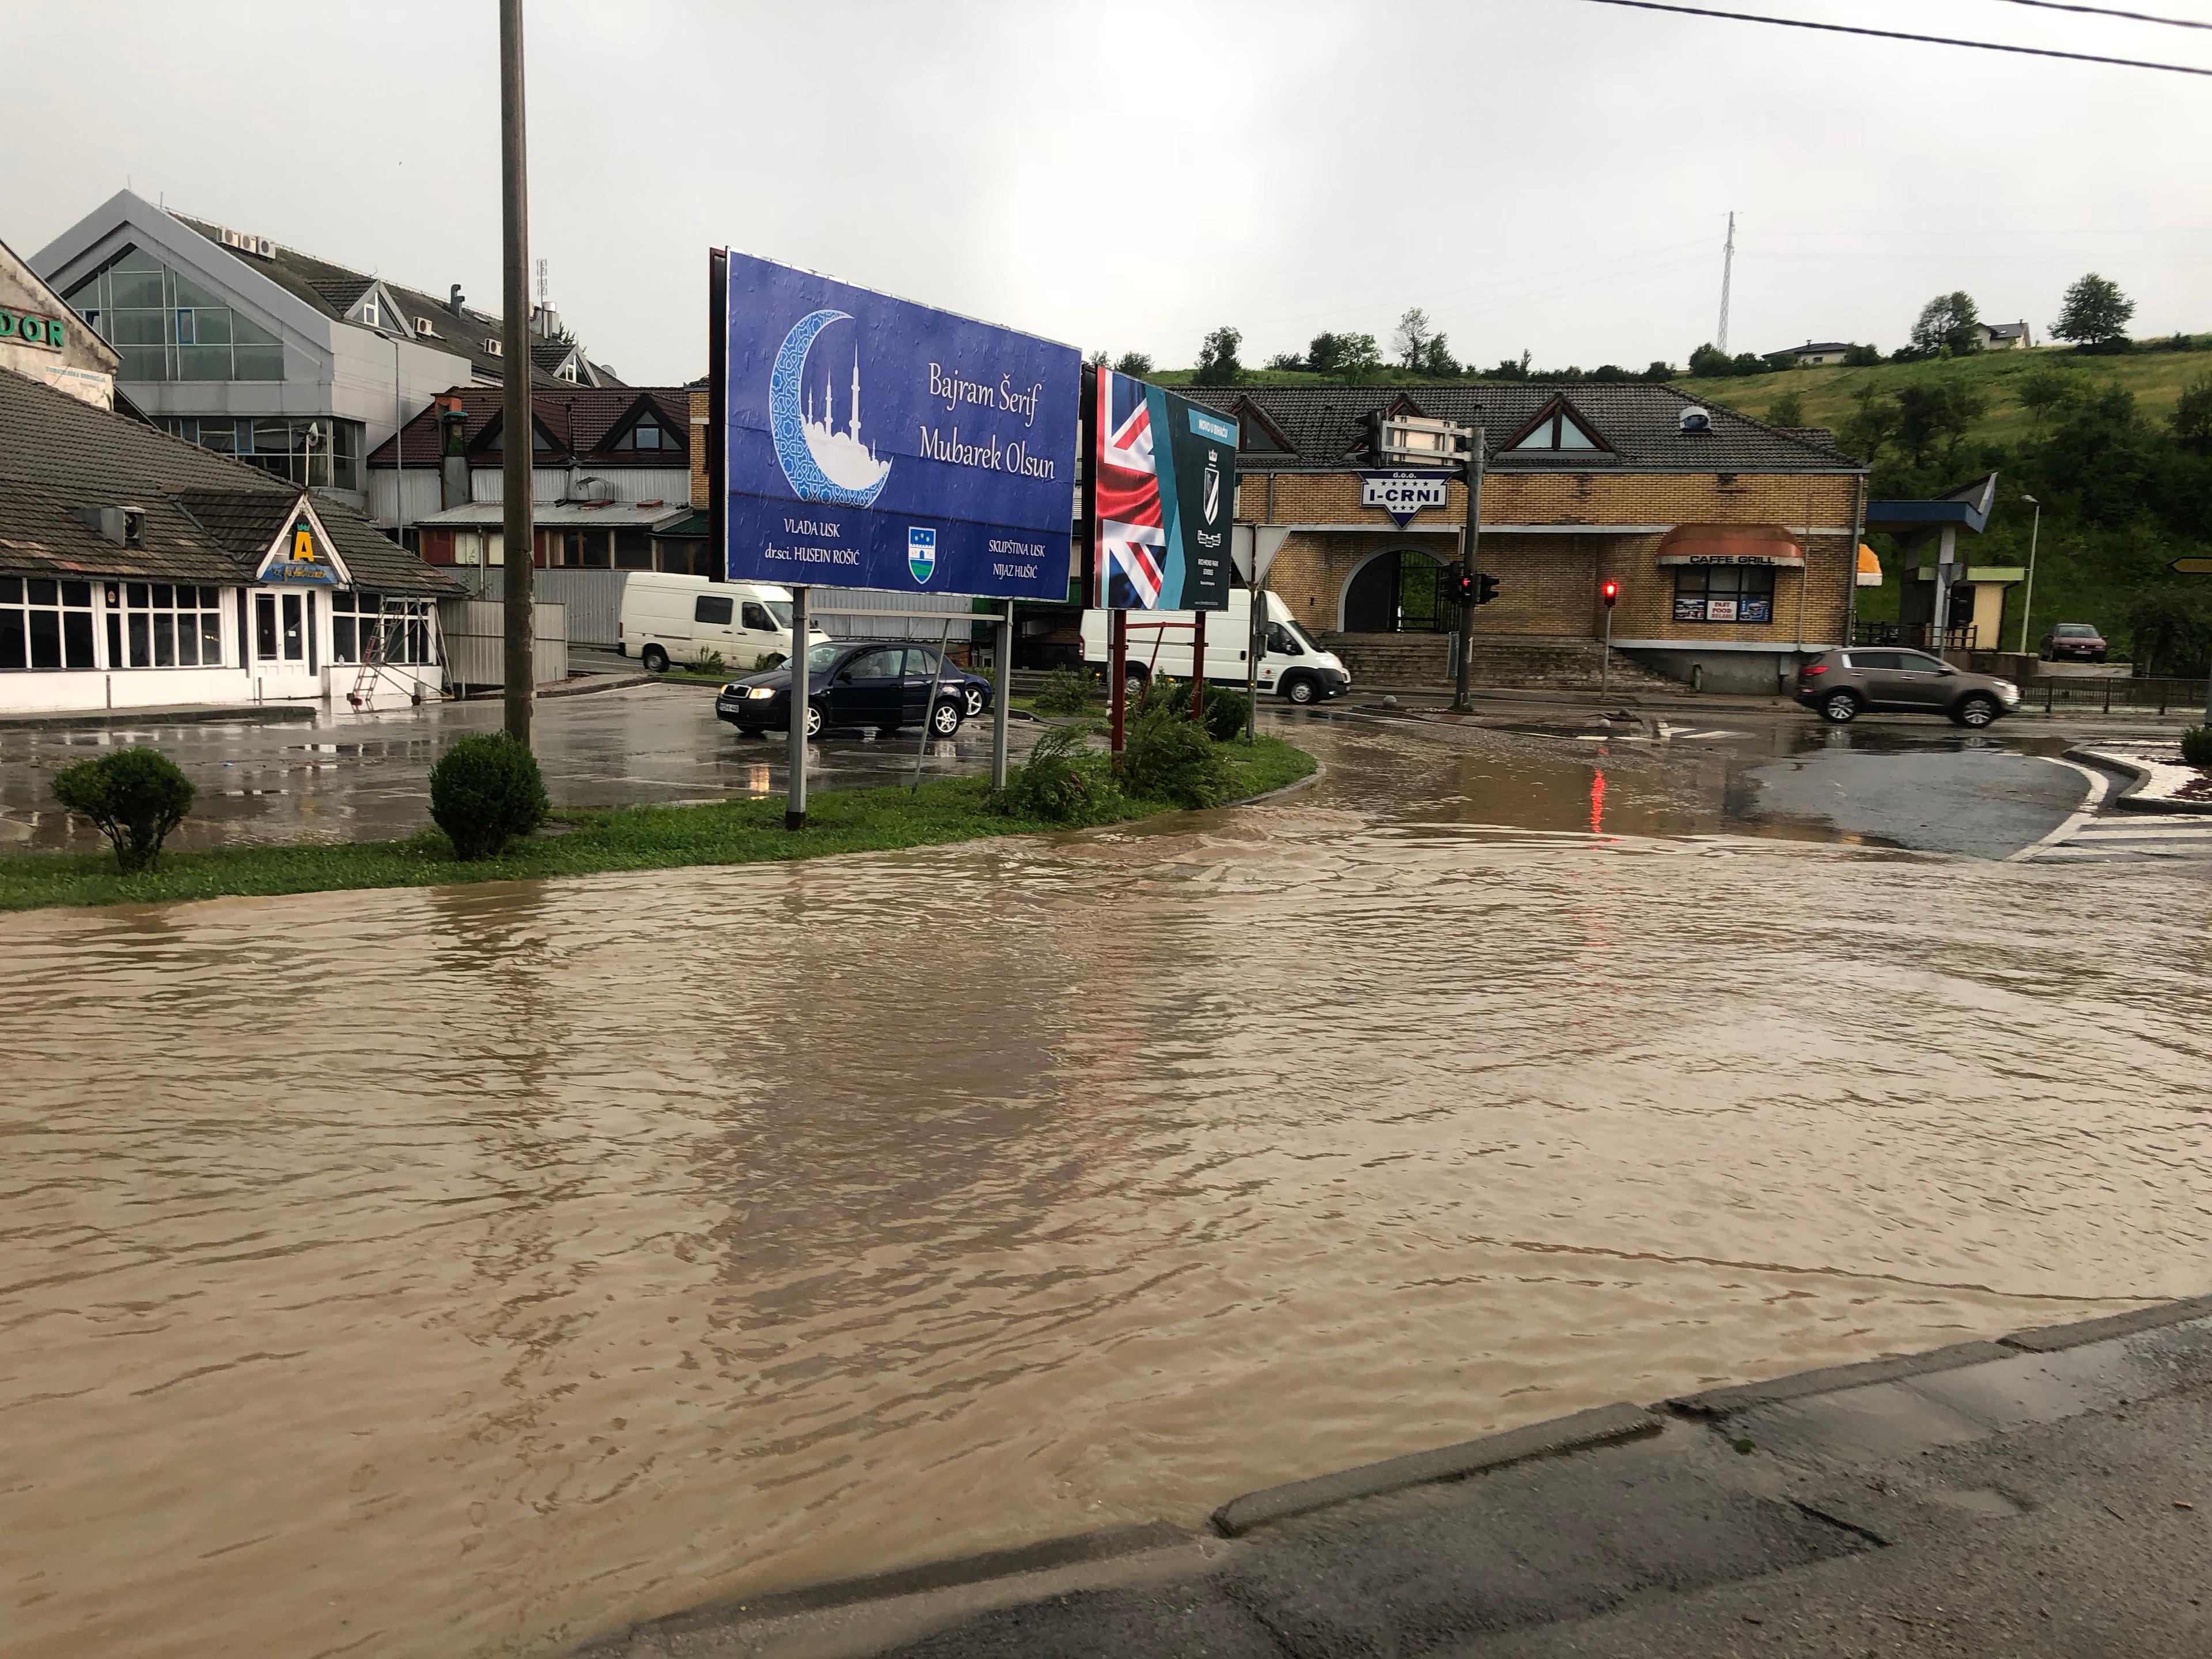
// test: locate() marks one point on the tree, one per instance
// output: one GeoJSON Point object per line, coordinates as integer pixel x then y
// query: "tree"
{"type": "Point", "coordinates": [1286, 360]}
{"type": "Point", "coordinates": [1709, 360]}
{"type": "Point", "coordinates": [1411, 341]}
{"type": "Point", "coordinates": [1661, 372]}
{"type": "Point", "coordinates": [1347, 356]}
{"type": "Point", "coordinates": [2094, 313]}
{"type": "Point", "coordinates": [1788, 410]}
{"type": "Point", "coordinates": [1217, 358]}
{"type": "Point", "coordinates": [2042, 390]}
{"type": "Point", "coordinates": [1930, 413]}
{"type": "Point", "coordinates": [1873, 425]}
{"type": "Point", "coordinates": [1134, 364]}
{"type": "Point", "coordinates": [2192, 419]}
{"type": "Point", "coordinates": [1948, 322]}
{"type": "Point", "coordinates": [1438, 361]}
{"type": "Point", "coordinates": [1096, 360]}
{"type": "Point", "coordinates": [1861, 356]}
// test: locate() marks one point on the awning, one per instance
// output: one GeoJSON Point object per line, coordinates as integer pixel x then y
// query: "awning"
{"type": "Point", "coordinates": [1765, 544]}
{"type": "Point", "coordinates": [1869, 567]}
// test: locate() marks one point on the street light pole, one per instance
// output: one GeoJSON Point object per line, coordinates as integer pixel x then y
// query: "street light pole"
{"type": "Point", "coordinates": [2027, 599]}
{"type": "Point", "coordinates": [517, 457]}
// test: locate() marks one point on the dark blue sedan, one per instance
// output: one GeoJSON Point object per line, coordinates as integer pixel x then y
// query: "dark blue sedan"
{"type": "Point", "coordinates": [859, 683]}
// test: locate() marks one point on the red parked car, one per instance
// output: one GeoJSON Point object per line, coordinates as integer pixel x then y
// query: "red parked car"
{"type": "Point", "coordinates": [2073, 642]}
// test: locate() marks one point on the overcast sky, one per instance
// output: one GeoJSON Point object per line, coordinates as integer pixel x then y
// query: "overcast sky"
{"type": "Point", "coordinates": [1551, 175]}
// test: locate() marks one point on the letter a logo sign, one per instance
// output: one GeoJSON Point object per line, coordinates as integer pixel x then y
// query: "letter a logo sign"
{"type": "Point", "coordinates": [921, 553]}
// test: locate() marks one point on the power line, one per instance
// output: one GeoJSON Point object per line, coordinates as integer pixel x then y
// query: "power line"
{"type": "Point", "coordinates": [1894, 34]}
{"type": "Point", "coordinates": [2109, 11]}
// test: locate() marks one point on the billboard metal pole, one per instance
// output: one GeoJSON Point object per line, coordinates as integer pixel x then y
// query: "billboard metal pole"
{"type": "Point", "coordinates": [517, 578]}
{"type": "Point", "coordinates": [1198, 670]}
{"type": "Point", "coordinates": [1003, 656]}
{"type": "Point", "coordinates": [1117, 661]}
{"type": "Point", "coordinates": [929, 708]}
{"type": "Point", "coordinates": [794, 803]}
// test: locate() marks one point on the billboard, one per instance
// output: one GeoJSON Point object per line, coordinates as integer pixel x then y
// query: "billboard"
{"type": "Point", "coordinates": [871, 442]}
{"type": "Point", "coordinates": [1165, 493]}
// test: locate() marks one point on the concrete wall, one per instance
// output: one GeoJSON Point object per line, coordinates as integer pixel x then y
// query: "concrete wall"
{"type": "Point", "coordinates": [83, 364]}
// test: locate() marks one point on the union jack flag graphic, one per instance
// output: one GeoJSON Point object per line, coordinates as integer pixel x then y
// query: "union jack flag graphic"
{"type": "Point", "coordinates": [1132, 532]}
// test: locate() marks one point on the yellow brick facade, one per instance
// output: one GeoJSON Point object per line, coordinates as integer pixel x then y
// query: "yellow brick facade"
{"type": "Point", "coordinates": [1548, 582]}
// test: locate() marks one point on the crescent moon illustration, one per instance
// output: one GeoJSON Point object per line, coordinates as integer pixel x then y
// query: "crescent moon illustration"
{"type": "Point", "coordinates": [822, 464]}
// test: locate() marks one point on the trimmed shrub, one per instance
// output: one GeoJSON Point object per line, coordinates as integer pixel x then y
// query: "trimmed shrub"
{"type": "Point", "coordinates": [1165, 757]}
{"type": "Point", "coordinates": [1064, 692]}
{"type": "Point", "coordinates": [135, 796]}
{"type": "Point", "coordinates": [1227, 714]}
{"type": "Point", "coordinates": [484, 792]}
{"type": "Point", "coordinates": [2196, 747]}
{"type": "Point", "coordinates": [1061, 781]}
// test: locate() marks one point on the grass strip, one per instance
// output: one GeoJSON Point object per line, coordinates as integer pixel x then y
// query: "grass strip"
{"type": "Point", "coordinates": [749, 831]}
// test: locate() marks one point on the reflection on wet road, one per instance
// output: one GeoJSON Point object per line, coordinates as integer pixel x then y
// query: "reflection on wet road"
{"type": "Point", "coordinates": [473, 1270]}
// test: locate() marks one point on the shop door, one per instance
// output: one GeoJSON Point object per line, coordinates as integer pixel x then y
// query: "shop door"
{"type": "Point", "coordinates": [286, 654]}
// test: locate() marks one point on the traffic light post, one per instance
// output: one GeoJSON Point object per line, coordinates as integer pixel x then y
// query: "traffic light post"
{"type": "Point", "coordinates": [1470, 580]}
{"type": "Point", "coordinates": [1609, 592]}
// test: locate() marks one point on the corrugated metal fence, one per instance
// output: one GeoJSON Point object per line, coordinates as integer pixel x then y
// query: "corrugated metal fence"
{"type": "Point", "coordinates": [593, 598]}
{"type": "Point", "coordinates": [476, 641]}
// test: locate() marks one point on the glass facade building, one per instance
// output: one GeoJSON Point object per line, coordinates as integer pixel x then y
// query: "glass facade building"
{"type": "Point", "coordinates": [167, 327]}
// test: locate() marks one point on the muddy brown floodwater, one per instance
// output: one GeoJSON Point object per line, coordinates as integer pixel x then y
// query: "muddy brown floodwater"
{"type": "Point", "coordinates": [475, 1270]}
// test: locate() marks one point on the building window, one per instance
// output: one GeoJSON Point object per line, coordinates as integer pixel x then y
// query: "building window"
{"type": "Point", "coordinates": [480, 547]}
{"type": "Point", "coordinates": [368, 312]}
{"type": "Point", "coordinates": [633, 548]}
{"type": "Point", "coordinates": [321, 453]}
{"type": "Point", "coordinates": [45, 623]}
{"type": "Point", "coordinates": [370, 627]}
{"type": "Point", "coordinates": [648, 434]}
{"type": "Point", "coordinates": [169, 327]}
{"type": "Point", "coordinates": [1733, 594]}
{"type": "Point", "coordinates": [1559, 430]}
{"type": "Point", "coordinates": [163, 625]}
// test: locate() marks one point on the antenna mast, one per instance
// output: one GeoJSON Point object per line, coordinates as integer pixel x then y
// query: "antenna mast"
{"type": "Point", "coordinates": [1728, 274]}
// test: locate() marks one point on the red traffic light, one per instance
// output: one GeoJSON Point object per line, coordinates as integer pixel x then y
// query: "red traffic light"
{"type": "Point", "coordinates": [1608, 592]}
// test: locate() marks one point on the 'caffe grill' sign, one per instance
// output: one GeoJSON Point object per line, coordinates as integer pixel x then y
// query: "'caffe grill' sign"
{"type": "Point", "coordinates": [48, 331]}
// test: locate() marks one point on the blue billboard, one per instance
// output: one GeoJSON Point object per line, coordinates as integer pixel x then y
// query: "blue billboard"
{"type": "Point", "coordinates": [871, 442]}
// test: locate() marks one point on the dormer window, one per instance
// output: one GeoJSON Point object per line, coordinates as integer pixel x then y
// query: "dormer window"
{"type": "Point", "coordinates": [1557, 430]}
{"type": "Point", "coordinates": [369, 313]}
{"type": "Point", "coordinates": [566, 371]}
{"type": "Point", "coordinates": [648, 434]}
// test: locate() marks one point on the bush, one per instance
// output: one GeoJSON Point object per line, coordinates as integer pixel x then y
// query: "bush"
{"type": "Point", "coordinates": [484, 792]}
{"type": "Point", "coordinates": [1227, 714]}
{"type": "Point", "coordinates": [1064, 692]}
{"type": "Point", "coordinates": [767, 659]}
{"type": "Point", "coordinates": [1165, 757]}
{"type": "Point", "coordinates": [708, 662]}
{"type": "Point", "coordinates": [2196, 747]}
{"type": "Point", "coordinates": [1062, 781]}
{"type": "Point", "coordinates": [135, 796]}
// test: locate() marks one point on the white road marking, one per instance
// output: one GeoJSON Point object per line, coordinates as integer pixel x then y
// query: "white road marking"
{"type": "Point", "coordinates": [2099, 785]}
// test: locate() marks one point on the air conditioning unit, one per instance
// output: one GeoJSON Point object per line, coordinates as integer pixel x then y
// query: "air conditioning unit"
{"type": "Point", "coordinates": [264, 247]}
{"type": "Point", "coordinates": [493, 346]}
{"type": "Point", "coordinates": [422, 328]}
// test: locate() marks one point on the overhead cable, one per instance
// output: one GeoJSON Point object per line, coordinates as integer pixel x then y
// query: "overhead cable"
{"type": "Point", "coordinates": [2112, 11]}
{"type": "Point", "coordinates": [1895, 34]}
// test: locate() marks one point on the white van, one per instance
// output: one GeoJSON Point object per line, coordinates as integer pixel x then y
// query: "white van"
{"type": "Point", "coordinates": [668, 619]}
{"type": "Point", "coordinates": [1291, 664]}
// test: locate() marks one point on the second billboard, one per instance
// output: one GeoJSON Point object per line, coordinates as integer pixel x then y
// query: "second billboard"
{"type": "Point", "coordinates": [1165, 496]}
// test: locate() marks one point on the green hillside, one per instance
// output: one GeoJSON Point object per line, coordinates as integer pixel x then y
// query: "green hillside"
{"type": "Point", "coordinates": [1828, 396]}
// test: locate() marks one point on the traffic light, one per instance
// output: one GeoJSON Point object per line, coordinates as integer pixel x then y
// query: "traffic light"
{"type": "Point", "coordinates": [1486, 589]}
{"type": "Point", "coordinates": [1608, 592]}
{"type": "Point", "coordinates": [1460, 586]}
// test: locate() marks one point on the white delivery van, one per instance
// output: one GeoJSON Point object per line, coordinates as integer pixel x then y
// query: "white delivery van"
{"type": "Point", "coordinates": [1290, 664]}
{"type": "Point", "coordinates": [668, 619]}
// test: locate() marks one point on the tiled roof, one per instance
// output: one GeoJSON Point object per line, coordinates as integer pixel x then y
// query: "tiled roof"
{"type": "Point", "coordinates": [1326, 427]}
{"type": "Point", "coordinates": [333, 289]}
{"type": "Point", "coordinates": [203, 510]}
{"type": "Point", "coordinates": [577, 419]}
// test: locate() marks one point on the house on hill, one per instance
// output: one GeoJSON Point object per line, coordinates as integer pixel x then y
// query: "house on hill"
{"type": "Point", "coordinates": [2003, 337]}
{"type": "Point", "coordinates": [1814, 354]}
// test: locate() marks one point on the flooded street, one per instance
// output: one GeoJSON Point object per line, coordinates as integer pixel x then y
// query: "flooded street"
{"type": "Point", "coordinates": [475, 1270]}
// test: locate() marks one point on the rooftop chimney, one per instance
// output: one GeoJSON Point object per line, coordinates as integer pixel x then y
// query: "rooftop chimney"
{"type": "Point", "coordinates": [454, 301]}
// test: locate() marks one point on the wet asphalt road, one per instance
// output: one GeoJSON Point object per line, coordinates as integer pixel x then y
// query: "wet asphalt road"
{"type": "Point", "coordinates": [1917, 784]}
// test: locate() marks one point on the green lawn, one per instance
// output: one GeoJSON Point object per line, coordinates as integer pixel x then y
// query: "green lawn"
{"type": "Point", "coordinates": [585, 843]}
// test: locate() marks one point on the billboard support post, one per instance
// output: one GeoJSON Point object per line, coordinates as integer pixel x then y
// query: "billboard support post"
{"type": "Point", "coordinates": [929, 708]}
{"type": "Point", "coordinates": [794, 803]}
{"type": "Point", "coordinates": [1198, 670]}
{"type": "Point", "coordinates": [1117, 668]}
{"type": "Point", "coordinates": [1002, 656]}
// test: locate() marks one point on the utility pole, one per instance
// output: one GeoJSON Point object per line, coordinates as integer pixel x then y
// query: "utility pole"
{"type": "Point", "coordinates": [1470, 548]}
{"type": "Point", "coordinates": [1728, 275]}
{"type": "Point", "coordinates": [516, 431]}
{"type": "Point", "coordinates": [2027, 599]}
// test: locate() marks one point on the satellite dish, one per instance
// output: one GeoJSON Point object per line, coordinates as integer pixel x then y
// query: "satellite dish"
{"type": "Point", "coordinates": [1694, 419]}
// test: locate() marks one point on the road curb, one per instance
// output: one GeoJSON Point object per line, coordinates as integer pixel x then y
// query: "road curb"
{"type": "Point", "coordinates": [247, 714]}
{"type": "Point", "coordinates": [2056, 1339]}
{"type": "Point", "coordinates": [1606, 1425]}
{"type": "Point", "coordinates": [2131, 797]}
{"type": "Point", "coordinates": [1743, 1396]}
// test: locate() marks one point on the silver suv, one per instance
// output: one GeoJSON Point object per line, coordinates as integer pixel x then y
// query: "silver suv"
{"type": "Point", "coordinates": [1842, 685]}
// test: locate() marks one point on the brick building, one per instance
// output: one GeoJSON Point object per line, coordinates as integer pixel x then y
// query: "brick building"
{"type": "Point", "coordinates": [1734, 542]}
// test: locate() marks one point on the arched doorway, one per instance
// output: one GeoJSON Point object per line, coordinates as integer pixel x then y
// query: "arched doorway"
{"type": "Point", "coordinates": [1397, 592]}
